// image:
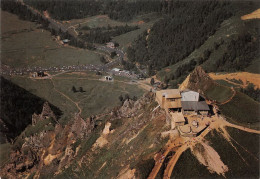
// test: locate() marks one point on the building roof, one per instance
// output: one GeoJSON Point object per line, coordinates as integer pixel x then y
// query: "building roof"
{"type": "Point", "coordinates": [190, 96]}
{"type": "Point", "coordinates": [170, 93]}
{"type": "Point", "coordinates": [116, 69]}
{"type": "Point", "coordinates": [177, 117]}
{"type": "Point", "coordinates": [195, 105]}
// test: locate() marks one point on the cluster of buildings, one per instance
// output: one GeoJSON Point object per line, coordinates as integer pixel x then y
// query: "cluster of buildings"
{"type": "Point", "coordinates": [185, 110]}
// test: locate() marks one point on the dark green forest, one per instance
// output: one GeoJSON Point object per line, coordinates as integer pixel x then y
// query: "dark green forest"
{"type": "Point", "coordinates": [105, 34]}
{"type": "Point", "coordinates": [175, 36]}
{"type": "Point", "coordinates": [122, 10]}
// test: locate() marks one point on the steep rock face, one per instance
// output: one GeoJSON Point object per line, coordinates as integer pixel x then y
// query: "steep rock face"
{"type": "Point", "coordinates": [45, 114]}
{"type": "Point", "coordinates": [198, 81]}
{"type": "Point", "coordinates": [130, 107]}
{"type": "Point", "coordinates": [47, 151]}
{"type": "Point", "coordinates": [81, 128]}
{"type": "Point", "coordinates": [50, 152]}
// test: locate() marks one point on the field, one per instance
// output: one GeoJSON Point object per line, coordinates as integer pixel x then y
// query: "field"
{"type": "Point", "coordinates": [98, 96]}
{"type": "Point", "coordinates": [28, 45]}
{"type": "Point", "coordinates": [242, 110]}
{"type": "Point", "coordinates": [219, 93]}
{"type": "Point", "coordinates": [226, 83]}
{"type": "Point", "coordinates": [125, 40]}
{"type": "Point", "coordinates": [144, 22]}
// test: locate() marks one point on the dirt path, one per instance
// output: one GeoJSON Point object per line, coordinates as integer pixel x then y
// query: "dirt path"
{"type": "Point", "coordinates": [241, 127]}
{"type": "Point", "coordinates": [67, 97]}
{"type": "Point", "coordinates": [253, 15]}
{"type": "Point", "coordinates": [173, 161]}
{"type": "Point", "coordinates": [234, 93]}
{"type": "Point", "coordinates": [245, 77]}
{"type": "Point", "coordinates": [159, 158]}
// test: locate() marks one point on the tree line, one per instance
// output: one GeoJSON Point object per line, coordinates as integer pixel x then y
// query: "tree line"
{"type": "Point", "coordinates": [239, 53]}
{"type": "Point", "coordinates": [122, 10]}
{"type": "Point", "coordinates": [105, 34]}
{"type": "Point", "coordinates": [251, 91]}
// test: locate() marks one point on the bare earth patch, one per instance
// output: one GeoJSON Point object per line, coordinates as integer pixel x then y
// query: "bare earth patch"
{"type": "Point", "coordinates": [209, 158]}
{"type": "Point", "coordinates": [102, 141]}
{"type": "Point", "coordinates": [245, 77]}
{"type": "Point", "coordinates": [253, 15]}
{"type": "Point", "coordinates": [126, 173]}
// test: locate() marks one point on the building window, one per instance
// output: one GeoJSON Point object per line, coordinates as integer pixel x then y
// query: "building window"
{"type": "Point", "coordinates": [172, 99]}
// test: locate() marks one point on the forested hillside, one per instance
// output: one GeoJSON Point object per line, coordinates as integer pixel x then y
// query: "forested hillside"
{"type": "Point", "coordinates": [123, 10]}
{"type": "Point", "coordinates": [185, 28]}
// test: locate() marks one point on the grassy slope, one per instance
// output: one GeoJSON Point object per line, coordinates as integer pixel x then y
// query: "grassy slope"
{"type": "Point", "coordinates": [99, 95]}
{"type": "Point", "coordinates": [44, 89]}
{"type": "Point", "coordinates": [125, 40]}
{"type": "Point", "coordinates": [219, 93]}
{"type": "Point", "coordinates": [237, 167]}
{"type": "Point", "coordinates": [35, 47]}
{"type": "Point", "coordinates": [242, 109]}
{"type": "Point", "coordinates": [225, 83]}
{"type": "Point", "coordinates": [189, 167]}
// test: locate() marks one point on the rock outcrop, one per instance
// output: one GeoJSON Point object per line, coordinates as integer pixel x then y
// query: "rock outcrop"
{"type": "Point", "coordinates": [46, 114]}
{"type": "Point", "coordinates": [47, 149]}
{"type": "Point", "coordinates": [198, 81]}
{"type": "Point", "coordinates": [130, 107]}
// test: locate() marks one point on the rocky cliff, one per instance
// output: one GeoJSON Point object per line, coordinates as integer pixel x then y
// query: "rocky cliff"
{"type": "Point", "coordinates": [198, 81]}
{"type": "Point", "coordinates": [77, 149]}
{"type": "Point", "coordinates": [43, 150]}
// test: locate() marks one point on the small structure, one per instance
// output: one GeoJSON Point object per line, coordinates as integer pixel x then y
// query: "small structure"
{"type": "Point", "coordinates": [40, 74]}
{"type": "Point", "coordinates": [108, 78]}
{"type": "Point", "coordinates": [116, 69]}
{"type": "Point", "coordinates": [169, 99]}
{"type": "Point", "coordinates": [34, 74]}
{"type": "Point", "coordinates": [65, 41]}
{"type": "Point", "coordinates": [111, 44]}
{"type": "Point", "coordinates": [177, 119]}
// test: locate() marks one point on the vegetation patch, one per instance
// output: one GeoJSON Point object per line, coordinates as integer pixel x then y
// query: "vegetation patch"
{"type": "Point", "coordinates": [219, 93]}
{"type": "Point", "coordinates": [226, 83]}
{"type": "Point", "coordinates": [242, 110]}
{"type": "Point", "coordinates": [245, 166]}
{"type": "Point", "coordinates": [5, 150]}
{"type": "Point", "coordinates": [189, 167]}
